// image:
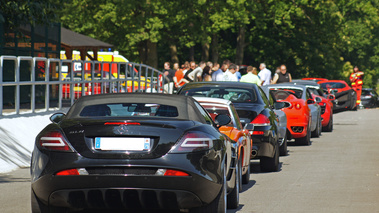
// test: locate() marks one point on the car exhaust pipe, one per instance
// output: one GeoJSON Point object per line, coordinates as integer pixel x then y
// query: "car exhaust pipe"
{"type": "Point", "coordinates": [254, 152]}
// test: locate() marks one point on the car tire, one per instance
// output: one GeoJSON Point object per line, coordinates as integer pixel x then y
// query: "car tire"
{"type": "Point", "coordinates": [246, 177]}
{"type": "Point", "coordinates": [38, 206]}
{"type": "Point", "coordinates": [240, 174]}
{"type": "Point", "coordinates": [317, 132]}
{"type": "Point", "coordinates": [219, 203]}
{"type": "Point", "coordinates": [233, 196]}
{"type": "Point", "coordinates": [306, 140]}
{"type": "Point", "coordinates": [329, 127]}
{"type": "Point", "coordinates": [283, 148]}
{"type": "Point", "coordinates": [268, 164]}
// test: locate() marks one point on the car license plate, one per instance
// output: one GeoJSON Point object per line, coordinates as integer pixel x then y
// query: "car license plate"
{"type": "Point", "coordinates": [124, 144]}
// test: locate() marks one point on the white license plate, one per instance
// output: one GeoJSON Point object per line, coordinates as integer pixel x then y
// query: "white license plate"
{"type": "Point", "coordinates": [125, 144]}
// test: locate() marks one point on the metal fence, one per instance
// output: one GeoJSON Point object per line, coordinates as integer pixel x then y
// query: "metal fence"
{"type": "Point", "coordinates": [34, 84]}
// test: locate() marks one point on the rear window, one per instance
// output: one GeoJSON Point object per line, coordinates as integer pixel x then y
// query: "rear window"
{"type": "Point", "coordinates": [281, 94]}
{"type": "Point", "coordinates": [235, 95]}
{"type": "Point", "coordinates": [333, 85]}
{"type": "Point", "coordinates": [129, 109]}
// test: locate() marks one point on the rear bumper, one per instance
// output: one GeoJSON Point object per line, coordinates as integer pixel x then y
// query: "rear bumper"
{"type": "Point", "coordinates": [128, 191]}
{"type": "Point", "coordinates": [97, 197]}
{"type": "Point", "coordinates": [298, 134]}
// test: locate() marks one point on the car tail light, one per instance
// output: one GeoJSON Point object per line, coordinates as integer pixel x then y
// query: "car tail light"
{"type": "Point", "coordinates": [122, 123]}
{"type": "Point", "coordinates": [55, 141]}
{"type": "Point", "coordinates": [193, 141]}
{"type": "Point", "coordinates": [80, 171]}
{"type": "Point", "coordinates": [171, 172]}
{"type": "Point", "coordinates": [261, 120]}
{"type": "Point", "coordinates": [297, 106]}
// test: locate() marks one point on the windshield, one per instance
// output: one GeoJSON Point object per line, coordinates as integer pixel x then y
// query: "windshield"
{"type": "Point", "coordinates": [216, 110]}
{"type": "Point", "coordinates": [235, 95]}
{"type": "Point", "coordinates": [129, 109]}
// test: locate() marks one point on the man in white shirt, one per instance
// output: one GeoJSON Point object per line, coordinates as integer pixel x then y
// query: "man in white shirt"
{"type": "Point", "coordinates": [230, 74]}
{"type": "Point", "coordinates": [264, 74]}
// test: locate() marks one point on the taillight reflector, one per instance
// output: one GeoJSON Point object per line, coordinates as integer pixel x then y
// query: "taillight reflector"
{"type": "Point", "coordinates": [258, 132]}
{"type": "Point", "coordinates": [68, 172]}
{"type": "Point", "coordinates": [171, 172]}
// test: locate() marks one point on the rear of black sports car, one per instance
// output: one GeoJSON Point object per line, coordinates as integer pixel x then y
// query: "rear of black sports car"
{"type": "Point", "coordinates": [82, 164]}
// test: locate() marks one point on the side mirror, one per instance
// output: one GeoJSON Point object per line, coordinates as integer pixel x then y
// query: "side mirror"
{"type": "Point", "coordinates": [331, 97]}
{"type": "Point", "coordinates": [57, 117]}
{"type": "Point", "coordinates": [222, 120]}
{"type": "Point", "coordinates": [310, 101]}
{"type": "Point", "coordinates": [318, 100]}
{"type": "Point", "coordinates": [279, 105]}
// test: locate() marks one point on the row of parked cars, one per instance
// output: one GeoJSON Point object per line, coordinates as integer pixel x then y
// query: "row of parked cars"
{"type": "Point", "coordinates": [189, 151]}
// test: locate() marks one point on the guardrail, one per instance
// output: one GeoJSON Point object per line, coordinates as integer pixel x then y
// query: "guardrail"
{"type": "Point", "coordinates": [35, 84]}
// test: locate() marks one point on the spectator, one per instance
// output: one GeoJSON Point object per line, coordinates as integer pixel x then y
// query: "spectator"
{"type": "Point", "coordinates": [207, 73]}
{"type": "Point", "coordinates": [198, 71]}
{"type": "Point", "coordinates": [178, 75]}
{"type": "Point", "coordinates": [282, 76]}
{"type": "Point", "coordinates": [168, 71]}
{"type": "Point", "coordinates": [216, 66]}
{"type": "Point", "coordinates": [210, 64]}
{"type": "Point", "coordinates": [238, 74]}
{"type": "Point", "coordinates": [219, 74]}
{"type": "Point", "coordinates": [230, 74]}
{"type": "Point", "coordinates": [264, 74]}
{"type": "Point", "coordinates": [277, 71]}
{"type": "Point", "coordinates": [251, 76]}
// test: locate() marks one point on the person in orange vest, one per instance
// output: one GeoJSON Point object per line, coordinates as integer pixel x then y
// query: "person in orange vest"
{"type": "Point", "coordinates": [356, 79]}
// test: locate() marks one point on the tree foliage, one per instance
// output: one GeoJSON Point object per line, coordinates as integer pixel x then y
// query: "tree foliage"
{"type": "Point", "coordinates": [14, 13]}
{"type": "Point", "coordinates": [320, 38]}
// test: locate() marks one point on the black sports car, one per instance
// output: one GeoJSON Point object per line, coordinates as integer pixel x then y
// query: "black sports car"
{"type": "Point", "coordinates": [255, 112]}
{"type": "Point", "coordinates": [369, 98]}
{"type": "Point", "coordinates": [134, 151]}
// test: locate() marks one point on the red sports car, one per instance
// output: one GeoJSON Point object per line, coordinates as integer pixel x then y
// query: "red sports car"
{"type": "Point", "coordinates": [346, 97]}
{"type": "Point", "coordinates": [315, 79]}
{"type": "Point", "coordinates": [299, 117]}
{"type": "Point", "coordinates": [233, 130]}
{"type": "Point", "coordinates": [325, 102]}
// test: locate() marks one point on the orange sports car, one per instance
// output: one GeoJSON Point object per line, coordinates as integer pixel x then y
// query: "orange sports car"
{"type": "Point", "coordinates": [233, 130]}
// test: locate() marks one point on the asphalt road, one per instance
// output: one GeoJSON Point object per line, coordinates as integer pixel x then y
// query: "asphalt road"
{"type": "Point", "coordinates": [339, 172]}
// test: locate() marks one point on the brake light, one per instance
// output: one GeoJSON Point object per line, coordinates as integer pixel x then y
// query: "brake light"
{"type": "Point", "coordinates": [261, 120]}
{"type": "Point", "coordinates": [193, 141]}
{"type": "Point", "coordinates": [55, 141]}
{"type": "Point", "coordinates": [122, 123]}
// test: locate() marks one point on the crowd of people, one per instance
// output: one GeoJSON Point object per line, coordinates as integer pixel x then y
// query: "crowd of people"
{"type": "Point", "coordinates": [227, 71]}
